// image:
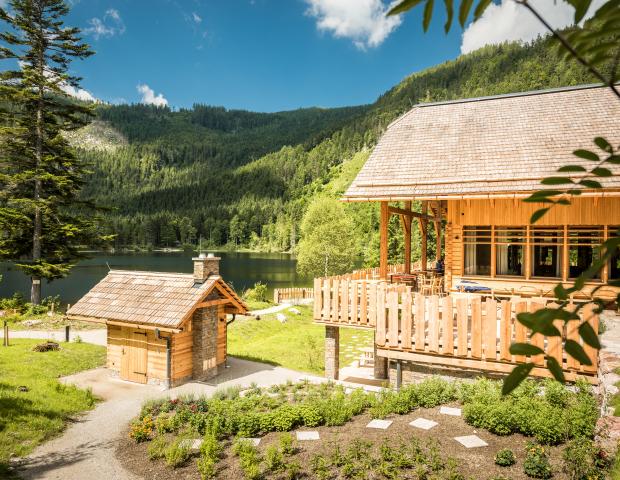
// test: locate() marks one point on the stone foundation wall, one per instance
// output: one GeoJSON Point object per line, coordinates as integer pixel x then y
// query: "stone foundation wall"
{"type": "Point", "coordinates": [415, 372]}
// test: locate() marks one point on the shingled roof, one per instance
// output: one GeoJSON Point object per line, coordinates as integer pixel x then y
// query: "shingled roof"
{"type": "Point", "coordinates": [491, 146]}
{"type": "Point", "coordinates": [152, 298]}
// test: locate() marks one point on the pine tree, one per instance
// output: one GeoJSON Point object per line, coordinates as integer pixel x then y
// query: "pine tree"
{"type": "Point", "coordinates": [43, 221]}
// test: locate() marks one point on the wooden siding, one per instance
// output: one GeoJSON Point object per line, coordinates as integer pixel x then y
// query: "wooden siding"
{"type": "Point", "coordinates": [221, 336]}
{"type": "Point", "coordinates": [515, 212]}
{"type": "Point", "coordinates": [294, 294]}
{"type": "Point", "coordinates": [182, 358]}
{"type": "Point", "coordinates": [462, 330]}
{"type": "Point", "coordinates": [156, 351]}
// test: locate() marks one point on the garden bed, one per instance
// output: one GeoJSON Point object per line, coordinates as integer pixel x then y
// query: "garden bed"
{"type": "Point", "coordinates": [533, 415]}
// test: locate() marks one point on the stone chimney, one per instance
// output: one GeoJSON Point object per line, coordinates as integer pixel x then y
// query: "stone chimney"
{"type": "Point", "coordinates": [205, 265]}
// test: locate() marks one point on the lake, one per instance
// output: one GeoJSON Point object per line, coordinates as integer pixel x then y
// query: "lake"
{"type": "Point", "coordinates": [240, 269]}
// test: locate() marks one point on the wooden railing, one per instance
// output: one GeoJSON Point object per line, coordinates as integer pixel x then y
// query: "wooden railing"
{"type": "Point", "coordinates": [457, 330]}
{"type": "Point", "coordinates": [373, 273]}
{"type": "Point", "coordinates": [292, 294]}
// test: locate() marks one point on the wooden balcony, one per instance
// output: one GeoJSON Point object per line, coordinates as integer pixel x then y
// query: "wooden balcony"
{"type": "Point", "coordinates": [458, 330]}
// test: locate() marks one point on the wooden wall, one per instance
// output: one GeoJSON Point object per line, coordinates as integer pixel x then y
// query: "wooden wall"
{"type": "Point", "coordinates": [182, 359]}
{"type": "Point", "coordinates": [221, 336]}
{"type": "Point", "coordinates": [512, 212]}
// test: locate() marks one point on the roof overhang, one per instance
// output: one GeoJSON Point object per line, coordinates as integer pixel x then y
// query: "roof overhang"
{"type": "Point", "coordinates": [137, 326]}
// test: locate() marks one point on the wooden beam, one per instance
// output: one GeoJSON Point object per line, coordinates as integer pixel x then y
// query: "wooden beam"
{"type": "Point", "coordinates": [383, 241]}
{"type": "Point", "coordinates": [423, 222]}
{"type": "Point", "coordinates": [137, 326]}
{"type": "Point", "coordinates": [213, 303]}
{"type": "Point", "coordinates": [407, 228]}
{"type": "Point", "coordinates": [410, 213]}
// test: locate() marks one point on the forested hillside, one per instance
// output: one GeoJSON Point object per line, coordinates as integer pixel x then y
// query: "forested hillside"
{"type": "Point", "coordinates": [245, 179]}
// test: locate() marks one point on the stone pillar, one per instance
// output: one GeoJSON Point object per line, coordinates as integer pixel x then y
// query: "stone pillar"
{"type": "Point", "coordinates": [381, 365]}
{"type": "Point", "coordinates": [204, 343]}
{"type": "Point", "coordinates": [332, 352]}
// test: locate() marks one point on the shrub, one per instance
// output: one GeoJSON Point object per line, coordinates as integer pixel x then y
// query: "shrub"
{"type": "Point", "coordinates": [293, 471]}
{"type": "Point", "coordinates": [206, 468]}
{"type": "Point", "coordinates": [536, 464]}
{"type": "Point", "coordinates": [320, 467]}
{"type": "Point", "coordinates": [258, 293]}
{"type": "Point", "coordinates": [249, 458]}
{"type": "Point", "coordinates": [142, 429]}
{"type": "Point", "coordinates": [177, 453]}
{"type": "Point", "coordinates": [583, 460]}
{"type": "Point", "coordinates": [211, 447]}
{"type": "Point", "coordinates": [310, 415]}
{"type": "Point", "coordinates": [505, 458]}
{"type": "Point", "coordinates": [335, 410]}
{"type": "Point", "coordinates": [157, 448]}
{"type": "Point", "coordinates": [164, 423]}
{"type": "Point", "coordinates": [285, 418]}
{"type": "Point", "coordinates": [286, 444]}
{"type": "Point", "coordinates": [274, 460]}
{"type": "Point", "coordinates": [249, 425]}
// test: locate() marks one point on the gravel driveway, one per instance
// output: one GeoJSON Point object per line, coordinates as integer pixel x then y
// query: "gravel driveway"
{"type": "Point", "coordinates": [86, 449]}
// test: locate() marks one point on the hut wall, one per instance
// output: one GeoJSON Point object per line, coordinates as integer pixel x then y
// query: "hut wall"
{"type": "Point", "coordinates": [221, 336]}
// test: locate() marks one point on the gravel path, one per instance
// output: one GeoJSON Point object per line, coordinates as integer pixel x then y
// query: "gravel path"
{"type": "Point", "coordinates": [86, 449]}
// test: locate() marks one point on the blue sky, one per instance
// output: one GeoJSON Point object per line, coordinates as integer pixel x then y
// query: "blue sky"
{"type": "Point", "coordinates": [265, 55]}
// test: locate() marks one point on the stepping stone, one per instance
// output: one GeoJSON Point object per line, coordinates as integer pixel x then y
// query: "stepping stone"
{"type": "Point", "coordinates": [311, 435]}
{"type": "Point", "coordinates": [253, 441]}
{"type": "Point", "coordinates": [191, 443]}
{"type": "Point", "coordinates": [471, 441]}
{"type": "Point", "coordinates": [380, 424]}
{"type": "Point", "coordinates": [423, 423]}
{"type": "Point", "coordinates": [455, 412]}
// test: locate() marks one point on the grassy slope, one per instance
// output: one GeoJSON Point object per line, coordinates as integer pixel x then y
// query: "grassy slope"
{"type": "Point", "coordinates": [29, 418]}
{"type": "Point", "coordinates": [297, 344]}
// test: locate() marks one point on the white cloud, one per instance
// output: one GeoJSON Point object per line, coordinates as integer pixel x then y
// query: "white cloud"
{"type": "Point", "coordinates": [196, 18]}
{"type": "Point", "coordinates": [111, 24]}
{"type": "Point", "coordinates": [363, 21]}
{"type": "Point", "coordinates": [149, 97]}
{"type": "Point", "coordinates": [509, 21]}
{"type": "Point", "coordinates": [70, 90]}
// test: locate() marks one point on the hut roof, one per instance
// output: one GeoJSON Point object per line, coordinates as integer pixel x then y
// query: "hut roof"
{"type": "Point", "coordinates": [153, 298]}
{"type": "Point", "coordinates": [490, 146]}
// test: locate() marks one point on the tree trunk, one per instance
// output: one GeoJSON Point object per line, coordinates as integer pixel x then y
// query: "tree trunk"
{"type": "Point", "coordinates": [35, 291]}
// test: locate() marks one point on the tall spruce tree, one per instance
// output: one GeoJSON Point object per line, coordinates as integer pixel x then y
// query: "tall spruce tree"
{"type": "Point", "coordinates": [43, 222]}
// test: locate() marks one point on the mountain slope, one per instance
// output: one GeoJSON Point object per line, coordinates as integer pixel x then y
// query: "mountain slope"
{"type": "Point", "coordinates": [246, 178]}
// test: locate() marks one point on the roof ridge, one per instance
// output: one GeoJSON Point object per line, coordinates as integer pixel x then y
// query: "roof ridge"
{"type": "Point", "coordinates": [527, 93]}
{"type": "Point", "coordinates": [146, 273]}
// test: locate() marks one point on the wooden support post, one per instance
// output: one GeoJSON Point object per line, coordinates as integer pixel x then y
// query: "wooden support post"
{"type": "Point", "coordinates": [332, 352]}
{"type": "Point", "coordinates": [407, 229]}
{"type": "Point", "coordinates": [383, 241]}
{"type": "Point", "coordinates": [423, 234]}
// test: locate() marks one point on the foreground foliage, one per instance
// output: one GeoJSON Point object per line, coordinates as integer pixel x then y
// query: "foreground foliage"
{"type": "Point", "coordinates": [28, 418]}
{"type": "Point", "coordinates": [547, 412]}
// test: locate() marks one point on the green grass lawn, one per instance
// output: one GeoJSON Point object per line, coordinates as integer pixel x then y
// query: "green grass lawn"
{"type": "Point", "coordinates": [297, 344]}
{"type": "Point", "coordinates": [29, 418]}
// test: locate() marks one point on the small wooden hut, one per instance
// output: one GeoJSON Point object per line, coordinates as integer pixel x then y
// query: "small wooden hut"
{"type": "Point", "coordinates": [163, 328]}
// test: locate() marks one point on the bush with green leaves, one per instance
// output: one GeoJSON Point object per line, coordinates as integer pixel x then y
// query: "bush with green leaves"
{"type": "Point", "coordinates": [582, 459]}
{"type": "Point", "coordinates": [249, 458]}
{"type": "Point", "coordinates": [178, 452]}
{"type": "Point", "coordinates": [258, 293]}
{"type": "Point", "coordinates": [157, 448]}
{"type": "Point", "coordinates": [274, 460]}
{"type": "Point", "coordinates": [536, 464]}
{"type": "Point", "coordinates": [505, 458]}
{"type": "Point", "coordinates": [287, 445]}
{"type": "Point", "coordinates": [207, 468]}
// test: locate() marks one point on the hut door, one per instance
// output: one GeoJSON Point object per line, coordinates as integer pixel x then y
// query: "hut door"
{"type": "Point", "coordinates": [134, 358]}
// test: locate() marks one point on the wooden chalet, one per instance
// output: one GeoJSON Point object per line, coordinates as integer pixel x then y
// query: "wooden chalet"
{"type": "Point", "coordinates": [163, 328]}
{"type": "Point", "coordinates": [469, 163]}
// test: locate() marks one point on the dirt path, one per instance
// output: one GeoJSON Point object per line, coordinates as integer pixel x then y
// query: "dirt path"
{"type": "Point", "coordinates": [97, 337]}
{"type": "Point", "coordinates": [86, 448]}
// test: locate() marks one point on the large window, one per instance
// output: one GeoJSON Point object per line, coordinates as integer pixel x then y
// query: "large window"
{"type": "Point", "coordinates": [509, 251]}
{"type": "Point", "coordinates": [547, 251]}
{"type": "Point", "coordinates": [614, 266]}
{"type": "Point", "coordinates": [477, 242]}
{"type": "Point", "coordinates": [583, 243]}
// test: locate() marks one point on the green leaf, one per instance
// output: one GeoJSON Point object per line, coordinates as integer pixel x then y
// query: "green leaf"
{"type": "Point", "coordinates": [581, 8]}
{"type": "Point", "coordinates": [555, 369]}
{"type": "Point", "coordinates": [518, 374]}
{"type": "Point", "coordinates": [538, 214]}
{"type": "Point", "coordinates": [602, 143]}
{"type": "Point", "coordinates": [587, 154]}
{"type": "Point", "coordinates": [572, 168]}
{"type": "Point", "coordinates": [613, 159]}
{"type": "Point", "coordinates": [589, 336]}
{"type": "Point", "coordinates": [482, 6]}
{"type": "Point", "coordinates": [556, 181]}
{"type": "Point", "coordinates": [590, 183]}
{"type": "Point", "coordinates": [602, 172]}
{"type": "Point", "coordinates": [449, 14]}
{"type": "Point", "coordinates": [464, 11]}
{"type": "Point", "coordinates": [577, 352]}
{"type": "Point", "coordinates": [428, 14]}
{"type": "Point", "coordinates": [525, 349]}
{"type": "Point", "coordinates": [403, 7]}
